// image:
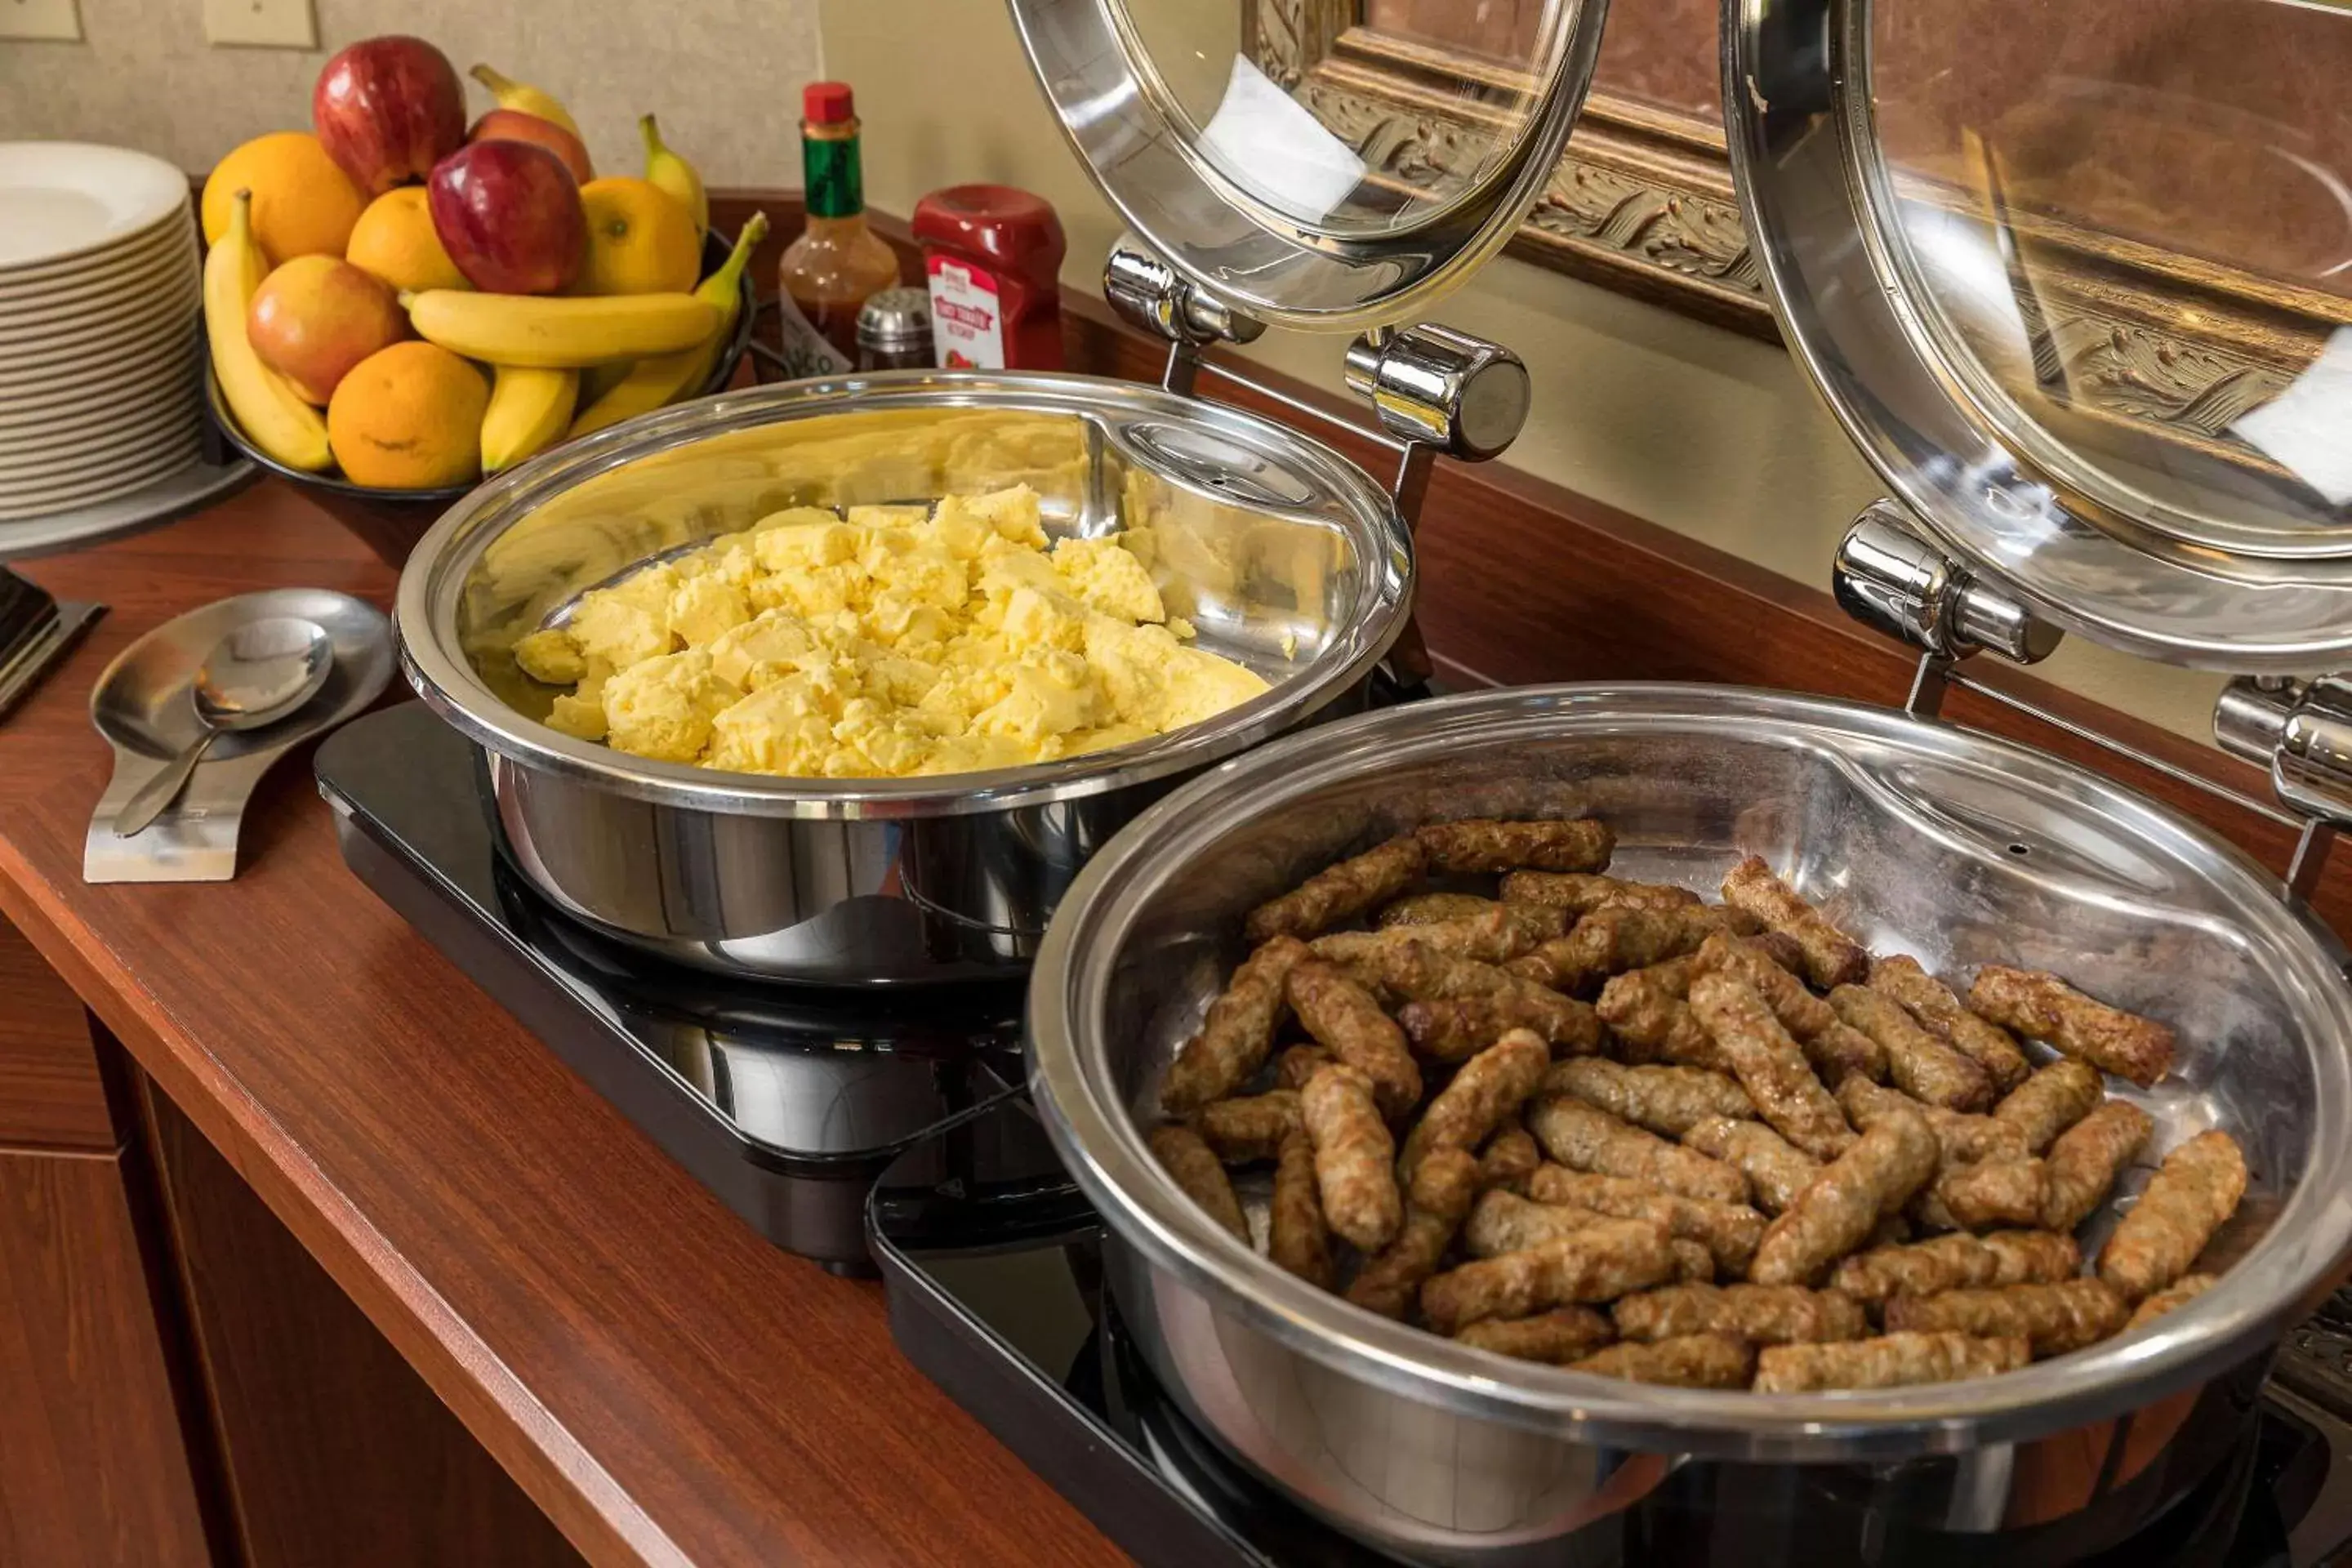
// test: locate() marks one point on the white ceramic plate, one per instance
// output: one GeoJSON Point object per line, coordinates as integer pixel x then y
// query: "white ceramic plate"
{"type": "Point", "coordinates": [39, 394]}
{"type": "Point", "coordinates": [100, 481]}
{"type": "Point", "coordinates": [95, 477]}
{"type": "Point", "coordinates": [55, 272]}
{"type": "Point", "coordinates": [81, 411]}
{"type": "Point", "coordinates": [173, 282]}
{"type": "Point", "coordinates": [176, 230]}
{"type": "Point", "coordinates": [176, 235]}
{"type": "Point", "coordinates": [175, 494]}
{"type": "Point", "coordinates": [55, 460]}
{"type": "Point", "coordinates": [120, 483]}
{"type": "Point", "coordinates": [125, 358]}
{"type": "Point", "coordinates": [163, 315]}
{"type": "Point", "coordinates": [62, 200]}
{"type": "Point", "coordinates": [50, 459]}
{"type": "Point", "coordinates": [170, 267]}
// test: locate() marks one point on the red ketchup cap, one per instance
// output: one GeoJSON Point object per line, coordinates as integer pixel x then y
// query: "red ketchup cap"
{"type": "Point", "coordinates": [827, 103]}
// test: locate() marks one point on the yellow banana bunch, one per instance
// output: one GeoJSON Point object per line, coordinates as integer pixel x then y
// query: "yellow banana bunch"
{"type": "Point", "coordinates": [540, 331]}
{"type": "Point", "coordinates": [599, 379]}
{"type": "Point", "coordinates": [653, 384]}
{"type": "Point", "coordinates": [524, 99]}
{"type": "Point", "coordinates": [272, 415]}
{"type": "Point", "coordinates": [527, 414]}
{"type": "Point", "coordinates": [673, 174]}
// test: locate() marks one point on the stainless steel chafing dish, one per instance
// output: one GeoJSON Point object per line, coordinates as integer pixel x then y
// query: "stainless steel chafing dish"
{"type": "Point", "coordinates": [1919, 837]}
{"type": "Point", "coordinates": [1916, 241]}
{"type": "Point", "coordinates": [1286, 557]}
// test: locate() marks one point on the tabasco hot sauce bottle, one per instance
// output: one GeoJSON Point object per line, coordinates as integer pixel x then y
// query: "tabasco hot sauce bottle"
{"type": "Point", "coordinates": [992, 255]}
{"type": "Point", "coordinates": [837, 261]}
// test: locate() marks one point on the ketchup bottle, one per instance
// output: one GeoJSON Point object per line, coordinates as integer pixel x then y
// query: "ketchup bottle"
{"type": "Point", "coordinates": [993, 258]}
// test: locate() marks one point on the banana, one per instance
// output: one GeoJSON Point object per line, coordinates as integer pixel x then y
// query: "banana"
{"type": "Point", "coordinates": [653, 384]}
{"type": "Point", "coordinates": [599, 379]}
{"type": "Point", "coordinates": [524, 99]}
{"type": "Point", "coordinates": [673, 174]}
{"type": "Point", "coordinates": [538, 331]}
{"type": "Point", "coordinates": [268, 410]}
{"type": "Point", "coordinates": [527, 411]}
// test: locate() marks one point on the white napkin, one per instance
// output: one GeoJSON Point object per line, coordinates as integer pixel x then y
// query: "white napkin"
{"type": "Point", "coordinates": [1273, 146]}
{"type": "Point", "coordinates": [2308, 428]}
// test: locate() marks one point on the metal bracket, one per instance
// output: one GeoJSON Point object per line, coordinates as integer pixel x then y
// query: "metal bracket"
{"type": "Point", "coordinates": [1149, 294]}
{"type": "Point", "coordinates": [1432, 388]}
{"type": "Point", "coordinates": [1888, 578]}
{"type": "Point", "coordinates": [2302, 731]}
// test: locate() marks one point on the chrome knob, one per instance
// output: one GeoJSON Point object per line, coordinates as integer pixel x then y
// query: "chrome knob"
{"type": "Point", "coordinates": [1154, 296]}
{"type": "Point", "coordinates": [2250, 717]}
{"type": "Point", "coordinates": [1888, 577]}
{"type": "Point", "coordinates": [1442, 388]}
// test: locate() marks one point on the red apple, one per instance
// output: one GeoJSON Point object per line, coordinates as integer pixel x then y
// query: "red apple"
{"type": "Point", "coordinates": [388, 110]}
{"type": "Point", "coordinates": [513, 125]}
{"type": "Point", "coordinates": [509, 215]}
{"type": "Point", "coordinates": [315, 318]}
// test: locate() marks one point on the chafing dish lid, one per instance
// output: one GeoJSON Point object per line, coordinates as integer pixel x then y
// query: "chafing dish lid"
{"type": "Point", "coordinates": [1192, 117]}
{"type": "Point", "coordinates": [2078, 282]}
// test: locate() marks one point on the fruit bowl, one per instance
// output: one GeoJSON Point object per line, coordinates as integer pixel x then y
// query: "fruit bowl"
{"type": "Point", "coordinates": [392, 520]}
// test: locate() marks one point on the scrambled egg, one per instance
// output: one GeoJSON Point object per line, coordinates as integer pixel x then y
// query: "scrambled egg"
{"type": "Point", "coordinates": [887, 644]}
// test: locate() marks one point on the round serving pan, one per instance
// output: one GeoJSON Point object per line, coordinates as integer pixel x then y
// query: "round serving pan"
{"type": "Point", "coordinates": [1280, 553]}
{"type": "Point", "coordinates": [1947, 844]}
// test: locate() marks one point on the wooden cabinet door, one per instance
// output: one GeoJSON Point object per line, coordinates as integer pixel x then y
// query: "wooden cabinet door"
{"type": "Point", "coordinates": [93, 1463]}
{"type": "Point", "coordinates": [51, 1094]}
{"type": "Point", "coordinates": [336, 1452]}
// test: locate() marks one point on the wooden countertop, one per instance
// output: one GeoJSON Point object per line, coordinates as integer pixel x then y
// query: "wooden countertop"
{"type": "Point", "coordinates": [665, 1383]}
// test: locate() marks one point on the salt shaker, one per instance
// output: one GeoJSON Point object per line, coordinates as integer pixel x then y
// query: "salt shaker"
{"type": "Point", "coordinates": [894, 331]}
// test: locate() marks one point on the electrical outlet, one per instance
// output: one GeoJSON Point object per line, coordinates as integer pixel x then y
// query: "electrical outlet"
{"type": "Point", "coordinates": [59, 20]}
{"type": "Point", "coordinates": [260, 23]}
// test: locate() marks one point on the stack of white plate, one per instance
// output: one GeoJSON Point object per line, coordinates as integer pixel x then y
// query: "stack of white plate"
{"type": "Point", "coordinates": [99, 295]}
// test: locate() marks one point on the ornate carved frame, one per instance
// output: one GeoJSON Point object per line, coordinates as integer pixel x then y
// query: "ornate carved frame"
{"type": "Point", "coordinates": [1642, 203]}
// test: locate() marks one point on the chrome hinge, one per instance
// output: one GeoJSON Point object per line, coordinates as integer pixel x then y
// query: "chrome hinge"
{"type": "Point", "coordinates": [1149, 294]}
{"type": "Point", "coordinates": [1432, 388]}
{"type": "Point", "coordinates": [2302, 731]}
{"type": "Point", "coordinates": [1888, 578]}
{"type": "Point", "coordinates": [1436, 389]}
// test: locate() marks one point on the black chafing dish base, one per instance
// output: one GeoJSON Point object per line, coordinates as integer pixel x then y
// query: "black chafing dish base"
{"type": "Point", "coordinates": [998, 1298]}
{"type": "Point", "coordinates": [788, 1103]}
{"type": "Point", "coordinates": [835, 1123]}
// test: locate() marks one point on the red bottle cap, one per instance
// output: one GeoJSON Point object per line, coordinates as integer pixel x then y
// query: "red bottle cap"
{"type": "Point", "coordinates": [827, 103]}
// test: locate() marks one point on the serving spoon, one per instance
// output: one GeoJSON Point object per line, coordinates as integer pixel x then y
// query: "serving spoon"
{"type": "Point", "coordinates": [257, 675]}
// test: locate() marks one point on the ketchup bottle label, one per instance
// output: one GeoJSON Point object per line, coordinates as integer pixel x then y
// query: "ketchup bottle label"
{"type": "Point", "coordinates": [967, 325]}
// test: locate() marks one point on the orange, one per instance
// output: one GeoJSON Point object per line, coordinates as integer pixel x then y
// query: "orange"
{"type": "Point", "coordinates": [303, 205]}
{"type": "Point", "coordinates": [409, 417]}
{"type": "Point", "coordinates": [640, 239]}
{"type": "Point", "coordinates": [395, 239]}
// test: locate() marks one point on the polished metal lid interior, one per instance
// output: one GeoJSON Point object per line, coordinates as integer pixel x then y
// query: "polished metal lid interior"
{"type": "Point", "coordinates": [1191, 116]}
{"type": "Point", "coordinates": [2078, 282]}
{"type": "Point", "coordinates": [1281, 555]}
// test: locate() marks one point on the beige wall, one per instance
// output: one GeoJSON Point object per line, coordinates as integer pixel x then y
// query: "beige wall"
{"type": "Point", "coordinates": [1702, 430]}
{"type": "Point", "coordinates": [723, 75]}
